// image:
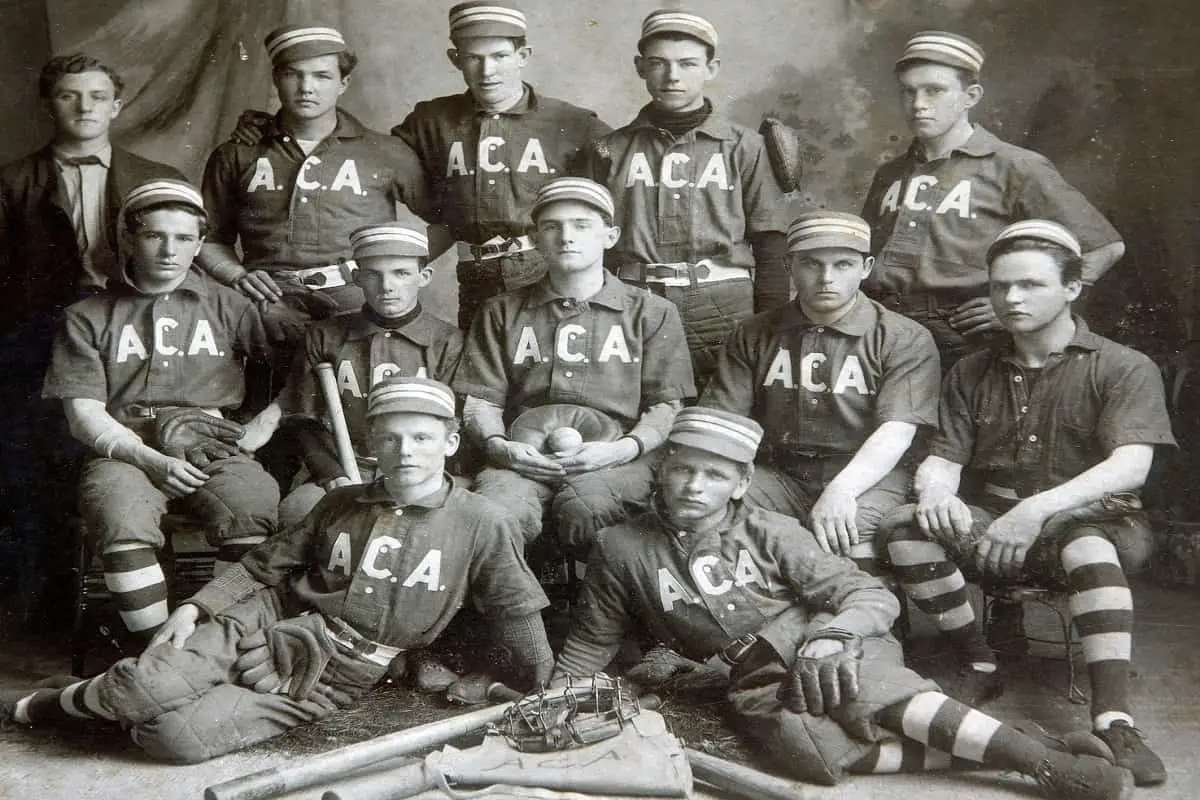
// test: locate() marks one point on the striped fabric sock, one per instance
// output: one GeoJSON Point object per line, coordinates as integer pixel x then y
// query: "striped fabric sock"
{"type": "Point", "coordinates": [231, 551]}
{"type": "Point", "coordinates": [1101, 607]}
{"type": "Point", "coordinates": [968, 735]}
{"type": "Point", "coordinates": [863, 556]}
{"type": "Point", "coordinates": [904, 755]}
{"type": "Point", "coordinates": [135, 578]}
{"type": "Point", "coordinates": [936, 586]}
{"type": "Point", "coordinates": [80, 700]}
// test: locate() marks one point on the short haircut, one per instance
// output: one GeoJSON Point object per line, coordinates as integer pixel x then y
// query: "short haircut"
{"type": "Point", "coordinates": [136, 220]}
{"type": "Point", "coordinates": [966, 77]}
{"type": "Point", "coordinates": [1070, 266]}
{"type": "Point", "coordinates": [517, 41]}
{"type": "Point", "coordinates": [671, 36]}
{"type": "Point", "coordinates": [74, 64]}
{"type": "Point", "coordinates": [347, 60]}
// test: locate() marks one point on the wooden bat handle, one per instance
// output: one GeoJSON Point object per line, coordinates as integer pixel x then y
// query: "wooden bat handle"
{"type": "Point", "coordinates": [739, 780]}
{"type": "Point", "coordinates": [337, 417]}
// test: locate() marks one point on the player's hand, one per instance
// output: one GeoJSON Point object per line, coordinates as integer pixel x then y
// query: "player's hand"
{"type": "Point", "coordinates": [1006, 542]}
{"type": "Point", "coordinates": [821, 648]}
{"type": "Point", "coordinates": [525, 459]}
{"type": "Point", "coordinates": [592, 456]}
{"type": "Point", "coordinates": [179, 626]}
{"type": "Point", "coordinates": [251, 125]}
{"type": "Point", "coordinates": [832, 519]}
{"type": "Point", "coordinates": [255, 666]}
{"type": "Point", "coordinates": [941, 514]}
{"type": "Point", "coordinates": [975, 316]}
{"type": "Point", "coordinates": [260, 286]}
{"type": "Point", "coordinates": [256, 436]}
{"type": "Point", "coordinates": [177, 477]}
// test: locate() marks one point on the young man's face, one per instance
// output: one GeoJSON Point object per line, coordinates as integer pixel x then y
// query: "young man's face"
{"type": "Point", "coordinates": [391, 284]}
{"type": "Point", "coordinates": [697, 486]}
{"type": "Point", "coordinates": [310, 87]}
{"type": "Point", "coordinates": [163, 249]}
{"type": "Point", "coordinates": [83, 106]}
{"type": "Point", "coordinates": [933, 98]}
{"type": "Point", "coordinates": [1027, 291]}
{"type": "Point", "coordinates": [675, 72]}
{"type": "Point", "coordinates": [827, 279]}
{"type": "Point", "coordinates": [411, 448]}
{"type": "Point", "coordinates": [572, 237]}
{"type": "Point", "coordinates": [490, 66]}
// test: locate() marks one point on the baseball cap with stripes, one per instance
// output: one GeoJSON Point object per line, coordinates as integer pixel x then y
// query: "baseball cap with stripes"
{"type": "Point", "coordinates": [294, 42]}
{"type": "Point", "coordinates": [480, 18]}
{"type": "Point", "coordinates": [158, 191]}
{"type": "Point", "coordinates": [817, 229]}
{"type": "Point", "coordinates": [388, 240]}
{"type": "Point", "coordinates": [1040, 229]}
{"type": "Point", "coordinates": [673, 20]}
{"type": "Point", "coordinates": [579, 189]}
{"type": "Point", "coordinates": [942, 47]}
{"type": "Point", "coordinates": [724, 433]}
{"type": "Point", "coordinates": [399, 395]}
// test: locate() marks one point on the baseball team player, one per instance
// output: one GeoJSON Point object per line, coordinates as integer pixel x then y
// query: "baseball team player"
{"type": "Point", "coordinates": [165, 336]}
{"type": "Point", "coordinates": [934, 209]}
{"type": "Point", "coordinates": [1039, 437]}
{"type": "Point", "coordinates": [488, 150]}
{"type": "Point", "coordinates": [579, 336]}
{"type": "Point", "coordinates": [58, 238]}
{"type": "Point", "coordinates": [312, 619]}
{"type": "Point", "coordinates": [817, 681]}
{"type": "Point", "coordinates": [391, 335]}
{"type": "Point", "coordinates": [292, 198]}
{"type": "Point", "coordinates": [841, 385]}
{"type": "Point", "coordinates": [697, 202]}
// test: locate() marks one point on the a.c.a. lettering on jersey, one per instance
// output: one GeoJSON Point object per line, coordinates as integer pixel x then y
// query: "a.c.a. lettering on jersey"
{"type": "Point", "coordinates": [566, 346]}
{"type": "Point", "coordinates": [428, 572]}
{"type": "Point", "coordinates": [672, 590]}
{"type": "Point", "coordinates": [533, 158]}
{"type": "Point", "coordinates": [676, 170]}
{"type": "Point", "coordinates": [167, 340]}
{"type": "Point", "coordinates": [349, 383]}
{"type": "Point", "coordinates": [920, 195]}
{"type": "Point", "coordinates": [345, 179]}
{"type": "Point", "coordinates": [848, 376]}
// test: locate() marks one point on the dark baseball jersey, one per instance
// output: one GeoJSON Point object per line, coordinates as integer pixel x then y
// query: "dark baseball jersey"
{"type": "Point", "coordinates": [185, 347]}
{"type": "Point", "coordinates": [686, 199]}
{"type": "Point", "coordinates": [823, 389]}
{"type": "Point", "coordinates": [396, 574]}
{"type": "Point", "coordinates": [362, 354]}
{"type": "Point", "coordinates": [620, 351]}
{"type": "Point", "coordinates": [932, 221]}
{"type": "Point", "coordinates": [485, 168]}
{"type": "Point", "coordinates": [1032, 430]}
{"type": "Point", "coordinates": [292, 211]}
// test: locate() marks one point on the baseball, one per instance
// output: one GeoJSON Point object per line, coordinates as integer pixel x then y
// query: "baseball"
{"type": "Point", "coordinates": [563, 440]}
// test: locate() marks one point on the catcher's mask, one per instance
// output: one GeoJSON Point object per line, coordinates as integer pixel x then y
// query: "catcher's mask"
{"type": "Point", "coordinates": [577, 714]}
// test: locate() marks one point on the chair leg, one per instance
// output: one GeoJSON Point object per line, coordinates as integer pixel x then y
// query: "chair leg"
{"type": "Point", "coordinates": [79, 644]}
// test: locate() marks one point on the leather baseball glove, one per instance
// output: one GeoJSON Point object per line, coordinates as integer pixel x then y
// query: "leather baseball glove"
{"type": "Point", "coordinates": [536, 424]}
{"type": "Point", "coordinates": [819, 685]}
{"type": "Point", "coordinates": [783, 152]}
{"type": "Point", "coordinates": [197, 436]}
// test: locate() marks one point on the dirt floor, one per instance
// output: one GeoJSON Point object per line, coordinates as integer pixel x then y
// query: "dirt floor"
{"type": "Point", "coordinates": [98, 761]}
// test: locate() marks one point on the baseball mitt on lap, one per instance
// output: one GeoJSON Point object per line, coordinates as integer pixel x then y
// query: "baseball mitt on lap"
{"type": "Point", "coordinates": [535, 425]}
{"type": "Point", "coordinates": [197, 436]}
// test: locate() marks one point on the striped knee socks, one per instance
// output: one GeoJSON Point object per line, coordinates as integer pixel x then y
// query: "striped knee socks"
{"type": "Point", "coordinates": [135, 578]}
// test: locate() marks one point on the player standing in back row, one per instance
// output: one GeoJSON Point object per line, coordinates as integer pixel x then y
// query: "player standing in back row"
{"type": "Point", "coordinates": [934, 209]}
{"type": "Point", "coordinates": [697, 202]}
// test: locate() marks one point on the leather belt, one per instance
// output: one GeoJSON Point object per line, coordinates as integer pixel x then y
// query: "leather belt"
{"type": "Point", "coordinates": [143, 411]}
{"type": "Point", "coordinates": [494, 248]}
{"type": "Point", "coordinates": [681, 273]}
{"type": "Point", "coordinates": [360, 646]}
{"type": "Point", "coordinates": [736, 650]}
{"type": "Point", "coordinates": [329, 277]}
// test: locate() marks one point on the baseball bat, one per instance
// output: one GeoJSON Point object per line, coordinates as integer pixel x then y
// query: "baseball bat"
{"type": "Point", "coordinates": [337, 418]}
{"type": "Point", "coordinates": [739, 780]}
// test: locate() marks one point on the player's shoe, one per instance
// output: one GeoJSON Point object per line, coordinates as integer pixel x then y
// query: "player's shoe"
{"type": "Point", "coordinates": [1063, 776]}
{"type": "Point", "coordinates": [1130, 751]}
{"type": "Point", "coordinates": [428, 674]}
{"type": "Point", "coordinates": [10, 697]}
{"type": "Point", "coordinates": [1079, 743]}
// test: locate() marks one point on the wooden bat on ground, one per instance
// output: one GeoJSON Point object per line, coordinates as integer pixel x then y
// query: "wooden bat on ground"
{"type": "Point", "coordinates": [739, 780]}
{"type": "Point", "coordinates": [337, 418]}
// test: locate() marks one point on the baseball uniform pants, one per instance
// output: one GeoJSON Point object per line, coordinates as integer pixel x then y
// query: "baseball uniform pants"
{"type": "Point", "coordinates": [709, 312]}
{"type": "Point", "coordinates": [478, 281]}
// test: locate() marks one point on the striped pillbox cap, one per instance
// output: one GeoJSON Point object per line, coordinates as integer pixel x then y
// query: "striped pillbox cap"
{"type": "Point", "coordinates": [159, 191]}
{"type": "Point", "coordinates": [388, 240]}
{"type": "Point", "coordinates": [1040, 229]}
{"type": "Point", "coordinates": [486, 18]}
{"type": "Point", "coordinates": [817, 229]}
{"type": "Point", "coordinates": [726, 434]}
{"type": "Point", "coordinates": [942, 47]}
{"type": "Point", "coordinates": [579, 189]}
{"type": "Point", "coordinates": [294, 42]}
{"type": "Point", "coordinates": [397, 395]}
{"type": "Point", "coordinates": [678, 21]}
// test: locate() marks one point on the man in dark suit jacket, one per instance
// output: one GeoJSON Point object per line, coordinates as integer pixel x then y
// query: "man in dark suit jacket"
{"type": "Point", "coordinates": [58, 243]}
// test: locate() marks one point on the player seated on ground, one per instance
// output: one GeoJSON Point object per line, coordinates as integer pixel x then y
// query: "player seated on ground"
{"type": "Point", "coordinates": [312, 619]}
{"type": "Point", "coordinates": [144, 370]}
{"type": "Point", "coordinates": [579, 336]}
{"type": "Point", "coordinates": [841, 385]}
{"type": "Point", "coordinates": [817, 681]}
{"type": "Point", "coordinates": [1040, 438]}
{"type": "Point", "coordinates": [391, 335]}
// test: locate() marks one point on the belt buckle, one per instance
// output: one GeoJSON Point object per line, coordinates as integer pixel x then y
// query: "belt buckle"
{"type": "Point", "coordinates": [138, 411]}
{"type": "Point", "coordinates": [510, 245]}
{"type": "Point", "coordinates": [736, 650]}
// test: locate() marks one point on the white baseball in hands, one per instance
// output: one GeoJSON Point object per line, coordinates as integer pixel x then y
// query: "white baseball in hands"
{"type": "Point", "coordinates": [563, 440]}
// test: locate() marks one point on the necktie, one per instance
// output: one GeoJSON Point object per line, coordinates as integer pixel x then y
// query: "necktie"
{"type": "Point", "coordinates": [83, 161]}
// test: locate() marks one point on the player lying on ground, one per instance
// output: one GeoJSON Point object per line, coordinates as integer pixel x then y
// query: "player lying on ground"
{"type": "Point", "coordinates": [1038, 437]}
{"type": "Point", "coordinates": [312, 619]}
{"type": "Point", "coordinates": [817, 681]}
